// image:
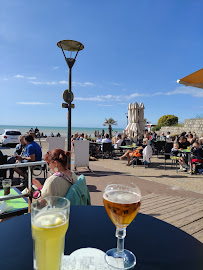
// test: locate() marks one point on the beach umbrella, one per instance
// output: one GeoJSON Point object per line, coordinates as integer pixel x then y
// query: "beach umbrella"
{"type": "Point", "coordinates": [141, 118]}
{"type": "Point", "coordinates": [135, 118]}
{"type": "Point", "coordinates": [128, 128]}
{"type": "Point", "coordinates": [195, 79]}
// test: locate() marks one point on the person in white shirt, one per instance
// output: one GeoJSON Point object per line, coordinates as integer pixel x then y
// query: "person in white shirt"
{"type": "Point", "coordinates": [106, 139]}
{"type": "Point", "coordinates": [168, 136]}
{"type": "Point", "coordinates": [118, 142]}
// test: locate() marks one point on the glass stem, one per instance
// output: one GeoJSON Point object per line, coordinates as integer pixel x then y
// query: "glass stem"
{"type": "Point", "coordinates": [120, 234]}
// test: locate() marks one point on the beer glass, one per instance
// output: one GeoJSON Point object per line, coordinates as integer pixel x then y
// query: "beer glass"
{"type": "Point", "coordinates": [6, 183]}
{"type": "Point", "coordinates": [50, 220]}
{"type": "Point", "coordinates": [122, 203]}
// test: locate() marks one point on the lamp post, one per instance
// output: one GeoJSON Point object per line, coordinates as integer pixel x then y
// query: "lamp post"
{"type": "Point", "coordinates": [72, 46]}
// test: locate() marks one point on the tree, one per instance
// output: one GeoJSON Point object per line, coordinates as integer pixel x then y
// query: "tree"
{"type": "Point", "coordinates": [168, 120]}
{"type": "Point", "coordinates": [109, 122]}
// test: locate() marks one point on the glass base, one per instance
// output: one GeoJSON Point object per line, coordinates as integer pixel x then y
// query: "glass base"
{"type": "Point", "coordinates": [120, 260]}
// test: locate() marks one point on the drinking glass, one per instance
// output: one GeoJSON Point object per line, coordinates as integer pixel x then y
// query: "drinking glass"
{"type": "Point", "coordinates": [122, 203]}
{"type": "Point", "coordinates": [6, 183]}
{"type": "Point", "coordinates": [50, 220]}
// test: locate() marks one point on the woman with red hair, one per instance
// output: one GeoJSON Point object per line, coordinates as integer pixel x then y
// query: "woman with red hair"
{"type": "Point", "coordinates": [62, 179]}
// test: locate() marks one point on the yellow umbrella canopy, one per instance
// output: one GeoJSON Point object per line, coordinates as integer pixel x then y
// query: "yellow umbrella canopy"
{"type": "Point", "coordinates": [195, 79]}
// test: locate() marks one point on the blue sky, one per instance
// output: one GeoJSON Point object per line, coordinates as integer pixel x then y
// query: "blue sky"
{"type": "Point", "coordinates": [135, 51]}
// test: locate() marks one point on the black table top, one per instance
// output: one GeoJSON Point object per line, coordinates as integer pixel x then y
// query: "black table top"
{"type": "Point", "coordinates": [156, 244]}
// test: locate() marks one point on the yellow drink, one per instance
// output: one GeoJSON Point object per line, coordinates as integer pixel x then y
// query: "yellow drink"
{"type": "Point", "coordinates": [48, 232]}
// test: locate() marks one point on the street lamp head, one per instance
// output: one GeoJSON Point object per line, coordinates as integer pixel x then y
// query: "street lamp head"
{"type": "Point", "coordinates": [71, 46]}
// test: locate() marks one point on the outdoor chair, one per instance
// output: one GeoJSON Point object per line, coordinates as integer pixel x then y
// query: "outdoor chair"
{"type": "Point", "coordinates": [198, 165]}
{"type": "Point", "coordinates": [167, 156]}
{"type": "Point", "coordinates": [78, 193]}
{"type": "Point", "coordinates": [127, 142]}
{"type": "Point", "coordinates": [37, 170]}
{"type": "Point", "coordinates": [159, 147]}
{"type": "Point", "coordinates": [93, 149]}
{"type": "Point", "coordinates": [153, 145]}
{"type": "Point", "coordinates": [107, 150]}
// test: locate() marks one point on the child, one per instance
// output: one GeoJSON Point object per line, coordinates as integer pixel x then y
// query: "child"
{"type": "Point", "coordinates": [197, 156]}
{"type": "Point", "coordinates": [174, 150]}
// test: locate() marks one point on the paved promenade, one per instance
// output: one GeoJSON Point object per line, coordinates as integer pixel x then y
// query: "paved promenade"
{"type": "Point", "coordinates": [179, 207]}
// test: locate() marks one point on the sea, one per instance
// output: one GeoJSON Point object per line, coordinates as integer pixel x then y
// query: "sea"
{"type": "Point", "coordinates": [62, 130]}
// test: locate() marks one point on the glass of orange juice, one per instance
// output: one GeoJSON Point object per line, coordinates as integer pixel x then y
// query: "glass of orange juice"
{"type": "Point", "coordinates": [49, 221]}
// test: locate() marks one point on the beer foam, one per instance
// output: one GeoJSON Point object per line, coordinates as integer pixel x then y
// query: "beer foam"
{"type": "Point", "coordinates": [122, 197]}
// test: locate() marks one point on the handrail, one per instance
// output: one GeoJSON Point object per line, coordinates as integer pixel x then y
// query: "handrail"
{"type": "Point", "coordinates": [23, 164]}
{"type": "Point", "coordinates": [11, 197]}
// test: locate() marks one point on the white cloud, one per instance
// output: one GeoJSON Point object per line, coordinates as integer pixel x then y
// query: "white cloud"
{"type": "Point", "coordinates": [54, 68]}
{"type": "Point", "coordinates": [187, 90]}
{"type": "Point", "coordinates": [31, 78]}
{"type": "Point", "coordinates": [116, 84]}
{"type": "Point", "coordinates": [32, 103]}
{"type": "Point", "coordinates": [19, 76]}
{"type": "Point", "coordinates": [136, 95]}
{"type": "Point", "coordinates": [83, 84]}
{"type": "Point", "coordinates": [100, 98]}
{"type": "Point", "coordinates": [63, 82]}
{"type": "Point", "coordinates": [178, 91]}
{"type": "Point", "coordinates": [22, 76]}
{"type": "Point", "coordinates": [44, 83]}
{"type": "Point", "coordinates": [97, 98]}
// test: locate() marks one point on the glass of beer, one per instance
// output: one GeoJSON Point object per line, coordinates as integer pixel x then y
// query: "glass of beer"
{"type": "Point", "coordinates": [6, 183]}
{"type": "Point", "coordinates": [50, 220]}
{"type": "Point", "coordinates": [122, 203]}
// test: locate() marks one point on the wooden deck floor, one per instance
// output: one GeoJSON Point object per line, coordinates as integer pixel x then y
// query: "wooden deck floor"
{"type": "Point", "coordinates": [183, 213]}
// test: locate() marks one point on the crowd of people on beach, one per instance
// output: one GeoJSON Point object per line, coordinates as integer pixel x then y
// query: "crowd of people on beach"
{"type": "Point", "coordinates": [39, 134]}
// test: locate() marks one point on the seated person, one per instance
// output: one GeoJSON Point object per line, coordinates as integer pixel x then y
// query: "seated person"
{"type": "Point", "coordinates": [85, 137]}
{"type": "Point", "coordinates": [60, 182]}
{"type": "Point", "coordinates": [168, 136]}
{"type": "Point", "coordinates": [20, 150]}
{"type": "Point", "coordinates": [183, 143]}
{"type": "Point", "coordinates": [130, 153]}
{"type": "Point", "coordinates": [106, 139]}
{"type": "Point", "coordinates": [118, 142]}
{"type": "Point", "coordinates": [99, 139]}
{"type": "Point", "coordinates": [197, 155]}
{"type": "Point", "coordinates": [174, 150]}
{"type": "Point", "coordinates": [147, 153]}
{"type": "Point", "coordinates": [123, 138]}
{"type": "Point", "coordinates": [81, 137]}
{"type": "Point", "coordinates": [190, 139]}
{"type": "Point", "coordinates": [162, 137]}
{"type": "Point", "coordinates": [200, 140]}
{"type": "Point", "coordinates": [34, 153]}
